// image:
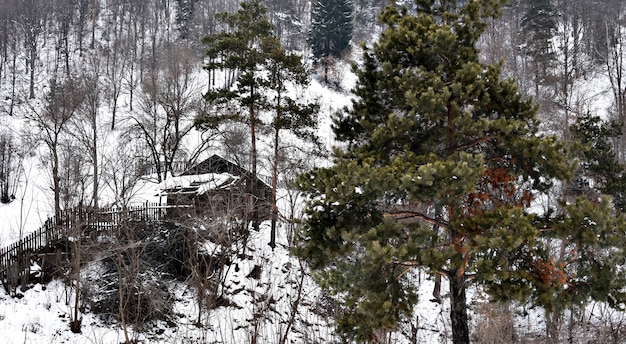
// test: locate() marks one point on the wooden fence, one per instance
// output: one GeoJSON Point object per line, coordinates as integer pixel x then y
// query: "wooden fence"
{"type": "Point", "coordinates": [15, 259]}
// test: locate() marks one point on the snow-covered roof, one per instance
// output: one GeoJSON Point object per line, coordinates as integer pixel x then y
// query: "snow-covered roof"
{"type": "Point", "coordinates": [198, 184]}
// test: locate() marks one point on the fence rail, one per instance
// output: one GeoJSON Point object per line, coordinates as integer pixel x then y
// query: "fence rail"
{"type": "Point", "coordinates": [15, 258]}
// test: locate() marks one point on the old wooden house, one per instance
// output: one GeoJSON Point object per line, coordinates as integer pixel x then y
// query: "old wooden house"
{"type": "Point", "coordinates": [217, 187]}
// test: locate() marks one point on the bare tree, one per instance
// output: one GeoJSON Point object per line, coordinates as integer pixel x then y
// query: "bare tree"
{"type": "Point", "coordinates": [63, 15]}
{"type": "Point", "coordinates": [615, 63]}
{"type": "Point", "coordinates": [31, 17]}
{"type": "Point", "coordinates": [145, 124]}
{"type": "Point", "coordinates": [74, 173]}
{"type": "Point", "coordinates": [296, 161]}
{"type": "Point", "coordinates": [123, 172]}
{"type": "Point", "coordinates": [87, 11]}
{"type": "Point", "coordinates": [295, 304]}
{"type": "Point", "coordinates": [7, 34]}
{"type": "Point", "coordinates": [75, 287]}
{"type": "Point", "coordinates": [9, 45]}
{"type": "Point", "coordinates": [116, 67]}
{"type": "Point", "coordinates": [127, 252]}
{"type": "Point", "coordinates": [137, 255]}
{"type": "Point", "coordinates": [293, 18]}
{"type": "Point", "coordinates": [11, 157]}
{"type": "Point", "coordinates": [501, 43]}
{"type": "Point", "coordinates": [212, 238]}
{"type": "Point", "coordinates": [87, 127]}
{"type": "Point", "coordinates": [169, 102]}
{"type": "Point", "coordinates": [178, 98]}
{"type": "Point", "coordinates": [52, 118]}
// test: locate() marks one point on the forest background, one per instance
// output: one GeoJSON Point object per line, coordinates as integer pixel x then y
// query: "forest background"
{"type": "Point", "coordinates": [124, 83]}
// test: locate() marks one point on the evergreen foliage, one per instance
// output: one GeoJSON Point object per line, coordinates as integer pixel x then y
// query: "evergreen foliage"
{"type": "Point", "coordinates": [286, 69]}
{"type": "Point", "coordinates": [184, 15]}
{"type": "Point", "coordinates": [441, 161]}
{"type": "Point", "coordinates": [239, 51]}
{"type": "Point", "coordinates": [331, 30]}
{"type": "Point", "coordinates": [599, 168]}
{"type": "Point", "coordinates": [263, 70]}
{"type": "Point", "coordinates": [538, 28]}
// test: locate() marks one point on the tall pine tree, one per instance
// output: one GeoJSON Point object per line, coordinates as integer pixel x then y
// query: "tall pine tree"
{"type": "Point", "coordinates": [264, 70]}
{"type": "Point", "coordinates": [538, 28]}
{"type": "Point", "coordinates": [599, 170]}
{"type": "Point", "coordinates": [286, 69]}
{"type": "Point", "coordinates": [239, 52]}
{"type": "Point", "coordinates": [331, 30]}
{"type": "Point", "coordinates": [441, 161]}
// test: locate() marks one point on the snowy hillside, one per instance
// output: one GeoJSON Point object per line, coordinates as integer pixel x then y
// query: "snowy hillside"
{"type": "Point", "coordinates": [278, 303]}
{"type": "Point", "coordinates": [102, 105]}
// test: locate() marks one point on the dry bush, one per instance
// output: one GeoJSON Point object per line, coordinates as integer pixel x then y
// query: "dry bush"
{"type": "Point", "coordinates": [606, 325]}
{"type": "Point", "coordinates": [212, 241]}
{"type": "Point", "coordinates": [134, 274]}
{"type": "Point", "coordinates": [495, 324]}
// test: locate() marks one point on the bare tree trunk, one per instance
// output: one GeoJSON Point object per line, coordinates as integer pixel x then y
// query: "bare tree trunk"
{"type": "Point", "coordinates": [615, 70]}
{"type": "Point", "coordinates": [56, 180]}
{"type": "Point", "coordinates": [32, 63]}
{"type": "Point", "coordinates": [76, 319]}
{"type": "Point", "coordinates": [94, 17]}
{"type": "Point", "coordinates": [96, 168]}
{"type": "Point", "coordinates": [13, 78]}
{"type": "Point", "coordinates": [294, 306]}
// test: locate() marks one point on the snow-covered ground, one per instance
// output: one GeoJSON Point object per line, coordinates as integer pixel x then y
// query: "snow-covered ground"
{"type": "Point", "coordinates": [41, 314]}
{"type": "Point", "coordinates": [261, 307]}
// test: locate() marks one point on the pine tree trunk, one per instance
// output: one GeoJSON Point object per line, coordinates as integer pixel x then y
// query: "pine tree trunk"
{"type": "Point", "coordinates": [274, 214]}
{"type": "Point", "coordinates": [253, 158]}
{"type": "Point", "coordinates": [458, 308]}
{"type": "Point", "coordinates": [437, 289]}
{"type": "Point", "coordinates": [274, 192]}
{"type": "Point", "coordinates": [553, 326]}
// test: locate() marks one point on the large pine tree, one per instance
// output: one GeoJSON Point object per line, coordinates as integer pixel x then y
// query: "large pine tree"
{"type": "Point", "coordinates": [331, 30]}
{"type": "Point", "coordinates": [263, 70]}
{"type": "Point", "coordinates": [599, 170]}
{"type": "Point", "coordinates": [440, 164]}
{"type": "Point", "coordinates": [287, 70]}
{"type": "Point", "coordinates": [239, 51]}
{"type": "Point", "coordinates": [538, 28]}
